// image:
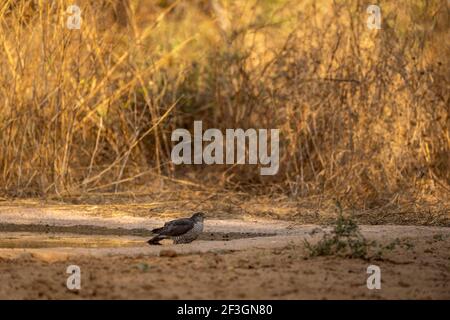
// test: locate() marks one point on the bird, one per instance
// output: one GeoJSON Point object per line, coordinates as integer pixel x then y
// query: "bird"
{"type": "Point", "coordinates": [184, 230]}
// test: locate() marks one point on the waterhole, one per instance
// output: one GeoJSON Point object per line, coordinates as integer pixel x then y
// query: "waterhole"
{"type": "Point", "coordinates": [85, 236]}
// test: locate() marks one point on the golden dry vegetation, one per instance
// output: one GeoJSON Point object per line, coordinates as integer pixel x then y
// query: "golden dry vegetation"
{"type": "Point", "coordinates": [363, 114]}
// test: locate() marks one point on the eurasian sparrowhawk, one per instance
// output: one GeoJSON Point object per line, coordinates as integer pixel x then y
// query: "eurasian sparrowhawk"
{"type": "Point", "coordinates": [183, 230]}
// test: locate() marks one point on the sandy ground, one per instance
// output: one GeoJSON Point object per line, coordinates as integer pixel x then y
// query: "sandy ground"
{"type": "Point", "coordinates": [234, 259]}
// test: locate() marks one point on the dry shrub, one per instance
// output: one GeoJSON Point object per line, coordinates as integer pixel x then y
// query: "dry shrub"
{"type": "Point", "coordinates": [363, 114]}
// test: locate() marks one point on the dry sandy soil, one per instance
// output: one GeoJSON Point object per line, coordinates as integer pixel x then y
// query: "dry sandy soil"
{"type": "Point", "coordinates": [245, 258]}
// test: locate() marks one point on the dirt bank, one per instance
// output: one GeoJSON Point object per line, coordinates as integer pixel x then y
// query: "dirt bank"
{"type": "Point", "coordinates": [247, 258]}
{"type": "Point", "coordinates": [421, 272]}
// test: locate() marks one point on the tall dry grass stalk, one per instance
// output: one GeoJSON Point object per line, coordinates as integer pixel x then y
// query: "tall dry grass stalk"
{"type": "Point", "coordinates": [364, 114]}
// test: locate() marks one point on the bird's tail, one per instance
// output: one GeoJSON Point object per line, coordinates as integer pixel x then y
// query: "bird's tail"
{"type": "Point", "coordinates": [155, 240]}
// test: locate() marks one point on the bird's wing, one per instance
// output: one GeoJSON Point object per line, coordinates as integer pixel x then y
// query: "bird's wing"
{"type": "Point", "coordinates": [177, 227]}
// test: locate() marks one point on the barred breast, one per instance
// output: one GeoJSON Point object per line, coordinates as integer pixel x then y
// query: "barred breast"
{"type": "Point", "coordinates": [191, 235]}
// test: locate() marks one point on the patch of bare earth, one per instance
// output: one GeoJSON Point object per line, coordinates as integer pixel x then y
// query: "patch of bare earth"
{"type": "Point", "coordinates": [421, 272]}
{"type": "Point", "coordinates": [239, 257]}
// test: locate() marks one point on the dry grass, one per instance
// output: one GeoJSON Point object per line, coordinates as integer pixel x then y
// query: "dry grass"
{"type": "Point", "coordinates": [363, 114]}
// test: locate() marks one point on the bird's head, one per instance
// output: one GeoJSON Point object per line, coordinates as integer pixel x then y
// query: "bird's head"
{"type": "Point", "coordinates": [198, 216]}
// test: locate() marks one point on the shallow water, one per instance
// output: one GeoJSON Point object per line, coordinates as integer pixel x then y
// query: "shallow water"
{"type": "Point", "coordinates": [85, 236]}
{"type": "Point", "coordinates": [43, 240]}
